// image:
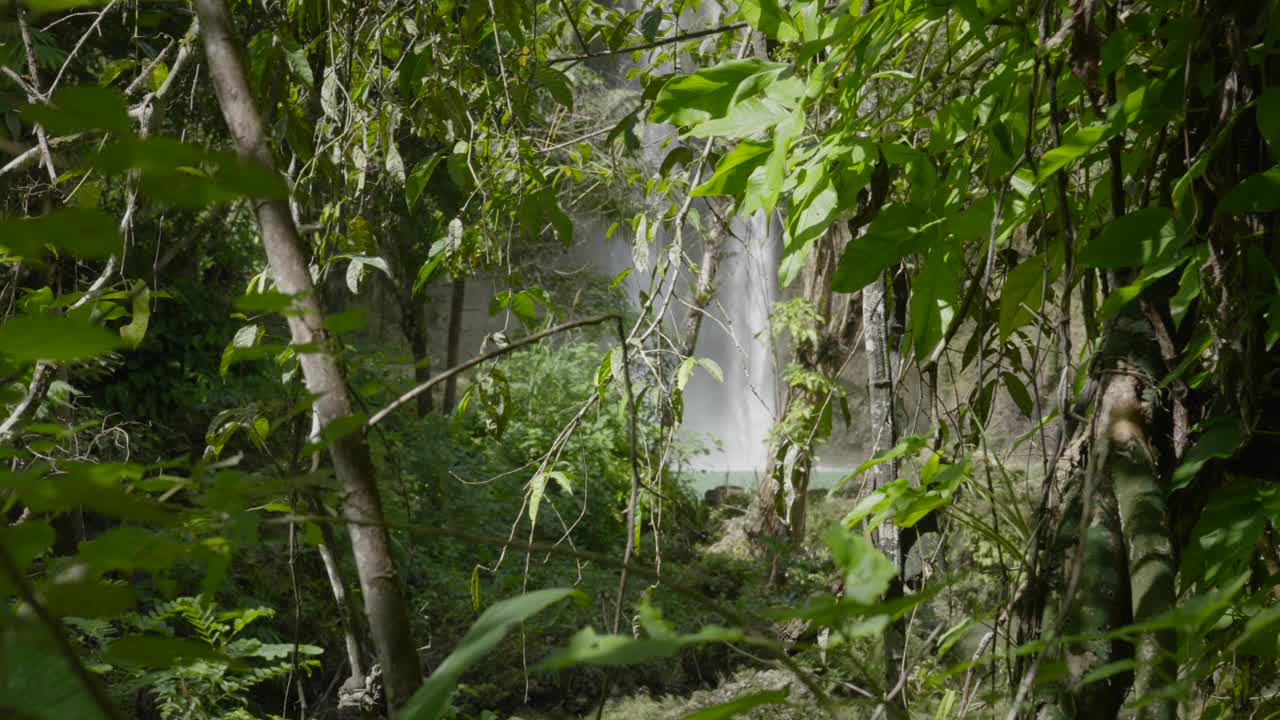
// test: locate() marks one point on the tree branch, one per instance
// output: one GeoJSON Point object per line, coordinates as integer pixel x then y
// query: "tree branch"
{"type": "Point", "coordinates": [650, 45]}
{"type": "Point", "coordinates": [522, 342]}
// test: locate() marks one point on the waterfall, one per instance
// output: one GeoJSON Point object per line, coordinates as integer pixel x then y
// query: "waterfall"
{"type": "Point", "coordinates": [731, 419]}
{"type": "Point", "coordinates": [737, 414]}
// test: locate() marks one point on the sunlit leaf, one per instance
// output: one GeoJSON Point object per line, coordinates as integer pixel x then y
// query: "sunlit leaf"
{"type": "Point", "coordinates": [431, 700]}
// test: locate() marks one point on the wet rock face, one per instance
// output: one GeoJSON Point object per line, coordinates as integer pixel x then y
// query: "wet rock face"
{"type": "Point", "coordinates": [727, 496]}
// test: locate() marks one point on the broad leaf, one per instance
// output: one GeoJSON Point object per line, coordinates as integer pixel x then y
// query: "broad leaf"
{"type": "Point", "coordinates": [1257, 194]}
{"type": "Point", "coordinates": [431, 700]}
{"type": "Point", "coordinates": [1132, 240]}
{"type": "Point", "coordinates": [86, 234]}
{"type": "Point", "coordinates": [896, 232]}
{"type": "Point", "coordinates": [769, 18]}
{"type": "Point", "coordinates": [60, 339]}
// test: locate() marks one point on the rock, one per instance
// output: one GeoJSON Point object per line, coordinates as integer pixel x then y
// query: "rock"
{"type": "Point", "coordinates": [727, 496]}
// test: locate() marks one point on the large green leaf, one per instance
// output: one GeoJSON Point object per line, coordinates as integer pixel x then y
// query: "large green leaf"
{"type": "Point", "coordinates": [1132, 240]}
{"type": "Point", "coordinates": [1226, 535]}
{"type": "Point", "coordinates": [1219, 439]}
{"type": "Point", "coordinates": [431, 700]}
{"type": "Point", "coordinates": [82, 108]}
{"type": "Point", "coordinates": [1257, 194]}
{"type": "Point", "coordinates": [866, 572]}
{"type": "Point", "coordinates": [735, 168]}
{"type": "Point", "coordinates": [1268, 116]}
{"type": "Point", "coordinates": [37, 679]}
{"type": "Point", "coordinates": [1023, 291]}
{"type": "Point", "coordinates": [587, 647]}
{"type": "Point", "coordinates": [738, 98]}
{"type": "Point", "coordinates": [769, 18]}
{"type": "Point", "coordinates": [1073, 147]}
{"type": "Point", "coordinates": [934, 294]}
{"type": "Point", "coordinates": [897, 231]}
{"type": "Point", "coordinates": [60, 339]}
{"type": "Point", "coordinates": [87, 234]}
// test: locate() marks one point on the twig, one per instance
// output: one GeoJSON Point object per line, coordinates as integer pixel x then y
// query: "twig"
{"type": "Point", "coordinates": [649, 45]}
{"type": "Point", "coordinates": [75, 50]}
{"type": "Point", "coordinates": [522, 342]}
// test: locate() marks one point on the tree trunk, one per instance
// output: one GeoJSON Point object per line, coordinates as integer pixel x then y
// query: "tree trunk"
{"type": "Point", "coordinates": [1126, 456]}
{"type": "Point", "coordinates": [780, 507]}
{"type": "Point", "coordinates": [457, 299]}
{"type": "Point", "coordinates": [883, 427]}
{"type": "Point", "coordinates": [385, 608]}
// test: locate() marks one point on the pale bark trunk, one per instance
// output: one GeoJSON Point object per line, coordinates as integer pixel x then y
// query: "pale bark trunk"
{"type": "Point", "coordinates": [883, 426]}
{"type": "Point", "coordinates": [458, 298]}
{"type": "Point", "coordinates": [385, 607]}
{"type": "Point", "coordinates": [347, 611]}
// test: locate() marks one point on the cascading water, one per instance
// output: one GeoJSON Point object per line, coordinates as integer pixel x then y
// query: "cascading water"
{"type": "Point", "coordinates": [731, 419]}
{"type": "Point", "coordinates": [737, 414]}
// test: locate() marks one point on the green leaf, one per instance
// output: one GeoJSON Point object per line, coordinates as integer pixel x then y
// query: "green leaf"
{"type": "Point", "coordinates": [933, 298]}
{"type": "Point", "coordinates": [88, 599]}
{"type": "Point", "coordinates": [740, 705]}
{"type": "Point", "coordinates": [587, 647]}
{"type": "Point", "coordinates": [345, 322]}
{"type": "Point", "coordinates": [684, 372]}
{"type": "Point", "coordinates": [1132, 240]}
{"type": "Point", "coordinates": [1268, 116]}
{"type": "Point", "coordinates": [866, 571]}
{"type": "Point", "coordinates": [1220, 439]}
{"type": "Point", "coordinates": [82, 108]}
{"type": "Point", "coordinates": [712, 368]}
{"type": "Point", "coordinates": [556, 83]}
{"type": "Point", "coordinates": [897, 231]}
{"type": "Point", "coordinates": [136, 330]}
{"type": "Point", "coordinates": [734, 169]}
{"type": "Point", "coordinates": [1256, 194]}
{"type": "Point", "coordinates": [1022, 293]}
{"type": "Point", "coordinates": [1018, 393]}
{"type": "Point", "coordinates": [295, 57]}
{"type": "Point", "coordinates": [711, 92]}
{"type": "Point", "coordinates": [113, 70]}
{"type": "Point", "coordinates": [907, 446]}
{"type": "Point", "coordinates": [130, 548]}
{"type": "Point", "coordinates": [158, 651]}
{"type": "Point", "coordinates": [1073, 147]}
{"type": "Point", "coordinates": [769, 18]}
{"type": "Point", "coordinates": [425, 272]}
{"type": "Point", "coordinates": [269, 301]}
{"type": "Point", "coordinates": [88, 234]}
{"type": "Point", "coordinates": [1226, 535]}
{"type": "Point", "coordinates": [416, 183]}
{"type": "Point", "coordinates": [59, 339]}
{"type": "Point", "coordinates": [24, 543]}
{"type": "Point", "coordinates": [39, 679]}
{"type": "Point", "coordinates": [431, 700]}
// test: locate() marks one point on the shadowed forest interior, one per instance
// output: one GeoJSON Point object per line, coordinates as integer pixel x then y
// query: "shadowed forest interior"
{"type": "Point", "coordinates": [687, 359]}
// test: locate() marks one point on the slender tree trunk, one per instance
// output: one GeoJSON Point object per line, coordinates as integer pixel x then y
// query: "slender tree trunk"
{"type": "Point", "coordinates": [385, 608]}
{"type": "Point", "coordinates": [884, 431]}
{"type": "Point", "coordinates": [347, 610]}
{"type": "Point", "coordinates": [781, 503]}
{"type": "Point", "coordinates": [457, 299]}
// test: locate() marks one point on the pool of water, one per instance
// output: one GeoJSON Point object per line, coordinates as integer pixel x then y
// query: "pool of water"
{"type": "Point", "coordinates": [703, 480]}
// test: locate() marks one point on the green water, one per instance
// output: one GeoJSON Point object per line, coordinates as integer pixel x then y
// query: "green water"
{"type": "Point", "coordinates": [703, 480]}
